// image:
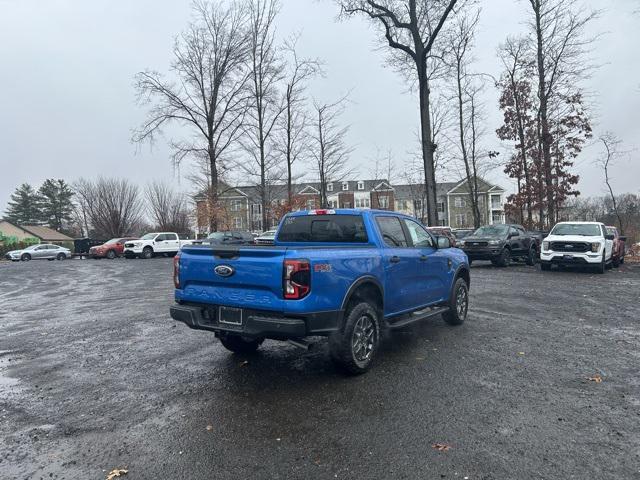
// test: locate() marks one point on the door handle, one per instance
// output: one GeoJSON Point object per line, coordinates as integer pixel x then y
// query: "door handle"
{"type": "Point", "coordinates": [424, 258]}
{"type": "Point", "coordinates": [394, 259]}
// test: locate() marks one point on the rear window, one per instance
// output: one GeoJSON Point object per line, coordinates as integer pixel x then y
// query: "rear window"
{"type": "Point", "coordinates": [323, 229]}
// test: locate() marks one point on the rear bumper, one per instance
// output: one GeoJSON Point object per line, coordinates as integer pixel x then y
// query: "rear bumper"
{"type": "Point", "coordinates": [258, 323]}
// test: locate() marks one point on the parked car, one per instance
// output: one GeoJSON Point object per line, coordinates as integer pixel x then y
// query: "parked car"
{"type": "Point", "coordinates": [110, 249]}
{"type": "Point", "coordinates": [443, 232]}
{"type": "Point", "coordinates": [500, 243]}
{"type": "Point", "coordinates": [461, 233]}
{"type": "Point", "coordinates": [619, 246]}
{"type": "Point", "coordinates": [347, 274]}
{"type": "Point", "coordinates": [266, 238]}
{"type": "Point", "coordinates": [39, 252]}
{"type": "Point", "coordinates": [152, 244]}
{"type": "Point", "coordinates": [584, 244]}
{"type": "Point", "coordinates": [234, 237]}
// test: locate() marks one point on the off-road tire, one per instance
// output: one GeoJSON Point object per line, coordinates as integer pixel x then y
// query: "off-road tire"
{"type": "Point", "coordinates": [237, 344]}
{"type": "Point", "coordinates": [147, 253]}
{"type": "Point", "coordinates": [111, 254]}
{"type": "Point", "coordinates": [458, 303]}
{"type": "Point", "coordinates": [531, 257]}
{"type": "Point", "coordinates": [361, 331]}
{"type": "Point", "coordinates": [25, 257]}
{"type": "Point", "coordinates": [504, 260]}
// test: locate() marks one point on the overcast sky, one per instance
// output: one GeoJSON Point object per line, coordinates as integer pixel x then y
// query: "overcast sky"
{"type": "Point", "coordinates": [67, 105]}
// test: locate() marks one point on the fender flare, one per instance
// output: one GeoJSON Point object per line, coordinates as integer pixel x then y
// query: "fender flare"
{"type": "Point", "coordinates": [358, 283]}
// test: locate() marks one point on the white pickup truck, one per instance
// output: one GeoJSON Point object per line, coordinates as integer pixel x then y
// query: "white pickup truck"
{"type": "Point", "coordinates": [586, 244]}
{"type": "Point", "coordinates": [157, 243]}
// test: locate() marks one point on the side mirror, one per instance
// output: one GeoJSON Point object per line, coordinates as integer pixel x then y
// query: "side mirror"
{"type": "Point", "coordinates": [514, 234]}
{"type": "Point", "coordinates": [443, 242]}
{"type": "Point", "coordinates": [609, 237]}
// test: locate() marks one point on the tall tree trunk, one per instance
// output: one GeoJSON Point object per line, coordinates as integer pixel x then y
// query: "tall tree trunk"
{"type": "Point", "coordinates": [213, 190]}
{"type": "Point", "coordinates": [428, 148]}
{"type": "Point", "coordinates": [546, 138]}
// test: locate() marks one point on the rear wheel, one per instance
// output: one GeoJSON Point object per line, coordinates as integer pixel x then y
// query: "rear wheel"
{"type": "Point", "coordinates": [111, 254]}
{"type": "Point", "coordinates": [25, 257]}
{"type": "Point", "coordinates": [354, 349]}
{"type": "Point", "coordinates": [458, 303]}
{"type": "Point", "coordinates": [237, 344]}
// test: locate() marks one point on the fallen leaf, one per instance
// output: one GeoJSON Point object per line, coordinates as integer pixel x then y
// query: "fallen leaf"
{"type": "Point", "coordinates": [441, 447]}
{"type": "Point", "coordinates": [595, 378]}
{"type": "Point", "coordinates": [520, 353]}
{"type": "Point", "coordinates": [209, 428]}
{"type": "Point", "coordinates": [117, 472]}
{"type": "Point", "coordinates": [244, 363]}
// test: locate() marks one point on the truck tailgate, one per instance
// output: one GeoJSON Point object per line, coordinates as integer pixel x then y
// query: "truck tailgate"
{"type": "Point", "coordinates": [253, 279]}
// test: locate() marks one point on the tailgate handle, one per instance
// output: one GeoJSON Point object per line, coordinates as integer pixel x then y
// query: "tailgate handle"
{"type": "Point", "coordinates": [226, 253]}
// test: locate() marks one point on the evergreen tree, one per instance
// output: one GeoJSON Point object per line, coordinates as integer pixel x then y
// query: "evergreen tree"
{"type": "Point", "coordinates": [24, 206]}
{"type": "Point", "coordinates": [56, 205]}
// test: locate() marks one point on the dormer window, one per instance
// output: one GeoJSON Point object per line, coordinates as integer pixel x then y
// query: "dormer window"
{"type": "Point", "coordinates": [329, 187]}
{"type": "Point", "coordinates": [345, 186]}
{"type": "Point", "coordinates": [360, 185]}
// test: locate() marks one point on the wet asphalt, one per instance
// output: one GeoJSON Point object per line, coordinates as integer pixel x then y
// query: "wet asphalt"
{"type": "Point", "coordinates": [94, 376]}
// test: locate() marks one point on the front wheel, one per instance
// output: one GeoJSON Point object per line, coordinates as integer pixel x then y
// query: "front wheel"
{"type": "Point", "coordinates": [602, 266]}
{"type": "Point", "coordinates": [504, 259]}
{"type": "Point", "coordinates": [237, 344]}
{"type": "Point", "coordinates": [354, 349]}
{"type": "Point", "coordinates": [61, 256]}
{"type": "Point", "coordinates": [25, 257]}
{"type": "Point", "coordinates": [111, 254]}
{"type": "Point", "coordinates": [147, 253]}
{"type": "Point", "coordinates": [531, 257]}
{"type": "Point", "coordinates": [458, 303]}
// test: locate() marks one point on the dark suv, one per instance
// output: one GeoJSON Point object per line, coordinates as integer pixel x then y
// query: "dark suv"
{"type": "Point", "coordinates": [500, 244]}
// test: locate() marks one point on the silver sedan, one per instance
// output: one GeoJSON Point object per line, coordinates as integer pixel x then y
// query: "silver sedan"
{"type": "Point", "coordinates": [39, 252]}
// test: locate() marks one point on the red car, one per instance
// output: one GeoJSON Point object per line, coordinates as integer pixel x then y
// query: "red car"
{"type": "Point", "coordinates": [443, 232]}
{"type": "Point", "coordinates": [111, 249]}
{"type": "Point", "coordinates": [617, 255]}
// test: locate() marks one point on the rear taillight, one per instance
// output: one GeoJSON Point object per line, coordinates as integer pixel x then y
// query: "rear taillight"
{"type": "Point", "coordinates": [297, 279]}
{"type": "Point", "coordinates": [176, 270]}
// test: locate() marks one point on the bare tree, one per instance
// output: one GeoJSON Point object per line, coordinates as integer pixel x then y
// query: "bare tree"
{"type": "Point", "coordinates": [410, 28]}
{"type": "Point", "coordinates": [265, 103]}
{"type": "Point", "coordinates": [612, 153]}
{"type": "Point", "coordinates": [206, 95]}
{"type": "Point", "coordinates": [330, 150]}
{"type": "Point", "coordinates": [293, 141]}
{"type": "Point", "coordinates": [560, 33]}
{"type": "Point", "coordinates": [167, 208]}
{"type": "Point", "coordinates": [110, 207]}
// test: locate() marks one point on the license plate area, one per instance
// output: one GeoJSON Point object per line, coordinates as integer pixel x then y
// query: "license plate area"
{"type": "Point", "coordinates": [568, 257]}
{"type": "Point", "coordinates": [230, 315]}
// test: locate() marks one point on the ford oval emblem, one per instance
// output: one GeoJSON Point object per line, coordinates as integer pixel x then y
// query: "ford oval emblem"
{"type": "Point", "coordinates": [224, 270]}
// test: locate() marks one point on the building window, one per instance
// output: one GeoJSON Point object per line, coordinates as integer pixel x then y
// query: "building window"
{"type": "Point", "coordinates": [461, 219]}
{"type": "Point", "coordinates": [346, 205]}
{"type": "Point", "coordinates": [311, 204]}
{"type": "Point", "coordinates": [367, 204]}
{"type": "Point", "coordinates": [383, 202]}
{"type": "Point", "coordinates": [333, 203]}
{"type": "Point", "coordinates": [345, 186]}
{"type": "Point", "coordinates": [237, 222]}
{"type": "Point", "coordinates": [329, 187]}
{"type": "Point", "coordinates": [236, 205]}
{"type": "Point", "coordinates": [442, 222]}
{"type": "Point", "coordinates": [360, 185]}
{"type": "Point", "coordinates": [460, 202]}
{"type": "Point", "coordinates": [256, 210]}
{"type": "Point", "coordinates": [496, 217]}
{"type": "Point", "coordinates": [417, 205]}
{"type": "Point", "coordinates": [440, 207]}
{"type": "Point", "coordinates": [495, 202]}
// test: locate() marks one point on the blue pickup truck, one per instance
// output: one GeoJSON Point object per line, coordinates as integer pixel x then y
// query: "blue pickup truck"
{"type": "Point", "coordinates": [346, 274]}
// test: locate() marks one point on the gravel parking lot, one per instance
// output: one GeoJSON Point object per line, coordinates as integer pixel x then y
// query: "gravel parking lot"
{"type": "Point", "coordinates": [94, 376]}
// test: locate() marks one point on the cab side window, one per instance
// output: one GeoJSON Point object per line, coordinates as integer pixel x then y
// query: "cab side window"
{"type": "Point", "coordinates": [419, 236]}
{"type": "Point", "coordinates": [171, 236]}
{"type": "Point", "coordinates": [392, 232]}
